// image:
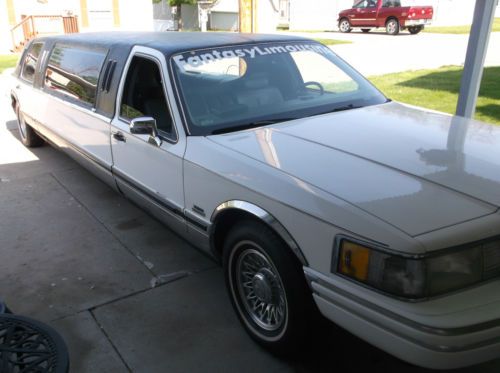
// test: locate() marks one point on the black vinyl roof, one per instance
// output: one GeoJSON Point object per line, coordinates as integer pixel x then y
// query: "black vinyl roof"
{"type": "Point", "coordinates": [169, 42]}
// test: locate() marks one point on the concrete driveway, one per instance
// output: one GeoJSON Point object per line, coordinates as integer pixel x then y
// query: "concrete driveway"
{"type": "Point", "coordinates": [126, 293]}
{"type": "Point", "coordinates": [377, 53]}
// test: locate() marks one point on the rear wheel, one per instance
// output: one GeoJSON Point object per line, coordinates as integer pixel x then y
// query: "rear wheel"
{"type": "Point", "coordinates": [415, 29]}
{"type": "Point", "coordinates": [345, 25]}
{"type": "Point", "coordinates": [267, 287]}
{"type": "Point", "coordinates": [28, 135]}
{"type": "Point", "coordinates": [392, 26]}
{"type": "Point", "coordinates": [365, 30]}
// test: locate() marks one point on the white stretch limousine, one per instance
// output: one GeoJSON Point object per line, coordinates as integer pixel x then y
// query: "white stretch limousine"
{"type": "Point", "coordinates": [313, 189]}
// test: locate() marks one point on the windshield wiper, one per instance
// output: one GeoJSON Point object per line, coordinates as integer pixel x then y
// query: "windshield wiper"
{"type": "Point", "coordinates": [257, 123]}
{"type": "Point", "coordinates": [341, 108]}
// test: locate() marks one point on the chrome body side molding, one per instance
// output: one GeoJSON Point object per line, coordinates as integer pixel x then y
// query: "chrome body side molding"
{"type": "Point", "coordinates": [263, 216]}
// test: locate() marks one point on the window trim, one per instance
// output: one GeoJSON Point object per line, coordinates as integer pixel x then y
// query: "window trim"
{"type": "Point", "coordinates": [67, 97]}
{"type": "Point", "coordinates": [143, 52]}
{"type": "Point", "coordinates": [37, 65]}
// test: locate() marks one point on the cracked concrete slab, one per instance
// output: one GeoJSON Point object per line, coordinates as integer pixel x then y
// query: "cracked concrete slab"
{"type": "Point", "coordinates": [89, 348]}
{"type": "Point", "coordinates": [184, 326]}
{"type": "Point", "coordinates": [58, 259]}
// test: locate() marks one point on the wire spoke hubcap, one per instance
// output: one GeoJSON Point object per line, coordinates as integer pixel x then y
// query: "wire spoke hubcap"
{"type": "Point", "coordinates": [261, 290]}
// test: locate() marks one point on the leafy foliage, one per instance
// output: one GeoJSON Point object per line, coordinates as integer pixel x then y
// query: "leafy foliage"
{"type": "Point", "coordinates": [180, 2]}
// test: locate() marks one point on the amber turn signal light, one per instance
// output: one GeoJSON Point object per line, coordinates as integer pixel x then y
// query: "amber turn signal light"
{"type": "Point", "coordinates": [354, 260]}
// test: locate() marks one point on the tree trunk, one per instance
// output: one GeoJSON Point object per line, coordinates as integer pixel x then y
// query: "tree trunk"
{"type": "Point", "coordinates": [179, 17]}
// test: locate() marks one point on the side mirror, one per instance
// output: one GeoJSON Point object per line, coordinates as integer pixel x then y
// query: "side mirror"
{"type": "Point", "coordinates": [143, 126]}
{"type": "Point", "coordinates": [146, 126]}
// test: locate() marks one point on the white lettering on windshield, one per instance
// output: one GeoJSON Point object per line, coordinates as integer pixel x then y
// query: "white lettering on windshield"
{"type": "Point", "coordinates": [196, 60]}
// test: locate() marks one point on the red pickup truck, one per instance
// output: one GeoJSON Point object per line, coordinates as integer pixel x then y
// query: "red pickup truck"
{"type": "Point", "coordinates": [368, 14]}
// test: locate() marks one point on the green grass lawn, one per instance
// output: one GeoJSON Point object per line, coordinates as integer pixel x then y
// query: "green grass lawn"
{"type": "Point", "coordinates": [7, 60]}
{"type": "Point", "coordinates": [332, 41]}
{"type": "Point", "coordinates": [459, 29]}
{"type": "Point", "coordinates": [438, 90]}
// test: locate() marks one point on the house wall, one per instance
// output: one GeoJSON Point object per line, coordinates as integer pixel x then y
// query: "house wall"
{"type": "Point", "coordinates": [267, 15]}
{"type": "Point", "coordinates": [190, 17]}
{"type": "Point", "coordinates": [227, 21]}
{"type": "Point", "coordinates": [5, 39]}
{"type": "Point", "coordinates": [136, 15]}
{"type": "Point", "coordinates": [316, 14]}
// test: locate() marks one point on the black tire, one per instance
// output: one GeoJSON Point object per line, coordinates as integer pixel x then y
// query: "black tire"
{"type": "Point", "coordinates": [414, 30]}
{"type": "Point", "coordinates": [27, 134]}
{"type": "Point", "coordinates": [345, 25]}
{"type": "Point", "coordinates": [275, 278]}
{"type": "Point", "coordinates": [392, 26]}
{"type": "Point", "coordinates": [366, 30]}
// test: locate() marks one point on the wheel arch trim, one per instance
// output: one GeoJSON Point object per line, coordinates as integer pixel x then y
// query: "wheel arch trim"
{"type": "Point", "coordinates": [263, 216]}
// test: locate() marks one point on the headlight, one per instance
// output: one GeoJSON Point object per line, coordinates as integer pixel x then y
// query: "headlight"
{"type": "Point", "coordinates": [422, 277]}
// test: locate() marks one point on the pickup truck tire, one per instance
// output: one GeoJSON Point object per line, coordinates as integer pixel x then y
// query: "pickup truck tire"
{"type": "Point", "coordinates": [345, 25]}
{"type": "Point", "coordinates": [267, 287]}
{"type": "Point", "coordinates": [392, 26]}
{"type": "Point", "coordinates": [27, 134]}
{"type": "Point", "coordinates": [366, 30]}
{"type": "Point", "coordinates": [415, 29]}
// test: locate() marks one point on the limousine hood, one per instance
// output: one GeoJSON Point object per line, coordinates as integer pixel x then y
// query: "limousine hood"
{"type": "Point", "coordinates": [416, 170]}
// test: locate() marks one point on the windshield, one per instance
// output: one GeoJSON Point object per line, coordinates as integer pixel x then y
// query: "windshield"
{"type": "Point", "coordinates": [231, 88]}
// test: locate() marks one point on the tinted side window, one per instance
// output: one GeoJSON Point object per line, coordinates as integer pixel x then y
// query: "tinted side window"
{"type": "Point", "coordinates": [391, 3]}
{"type": "Point", "coordinates": [143, 94]}
{"type": "Point", "coordinates": [29, 64]}
{"type": "Point", "coordinates": [74, 72]}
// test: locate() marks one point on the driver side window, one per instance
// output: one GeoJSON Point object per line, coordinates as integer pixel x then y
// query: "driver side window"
{"type": "Point", "coordinates": [143, 95]}
{"type": "Point", "coordinates": [391, 3]}
{"type": "Point", "coordinates": [366, 4]}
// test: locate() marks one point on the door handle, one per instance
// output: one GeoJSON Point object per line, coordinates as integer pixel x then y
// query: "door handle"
{"type": "Point", "coordinates": [18, 86]}
{"type": "Point", "coordinates": [119, 136]}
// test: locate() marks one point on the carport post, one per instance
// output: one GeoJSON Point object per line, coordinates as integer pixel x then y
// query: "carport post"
{"type": "Point", "coordinates": [484, 13]}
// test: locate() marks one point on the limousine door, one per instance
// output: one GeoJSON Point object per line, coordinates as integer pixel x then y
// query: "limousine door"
{"type": "Point", "coordinates": [148, 167]}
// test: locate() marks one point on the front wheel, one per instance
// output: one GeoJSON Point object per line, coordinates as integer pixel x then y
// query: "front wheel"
{"type": "Point", "coordinates": [392, 26]}
{"type": "Point", "coordinates": [267, 287]}
{"type": "Point", "coordinates": [345, 25]}
{"type": "Point", "coordinates": [415, 29]}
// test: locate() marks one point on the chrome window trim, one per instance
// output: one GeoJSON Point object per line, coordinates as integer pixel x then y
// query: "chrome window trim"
{"type": "Point", "coordinates": [263, 216]}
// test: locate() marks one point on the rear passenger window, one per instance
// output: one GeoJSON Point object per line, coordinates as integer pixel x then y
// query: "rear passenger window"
{"type": "Point", "coordinates": [143, 94]}
{"type": "Point", "coordinates": [29, 65]}
{"type": "Point", "coordinates": [74, 72]}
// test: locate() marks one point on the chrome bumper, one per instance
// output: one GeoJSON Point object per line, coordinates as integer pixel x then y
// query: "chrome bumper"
{"type": "Point", "coordinates": [417, 22]}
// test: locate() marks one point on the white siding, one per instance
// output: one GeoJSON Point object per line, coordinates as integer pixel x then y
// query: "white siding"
{"type": "Point", "coordinates": [136, 15]}
{"type": "Point", "coordinates": [316, 14]}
